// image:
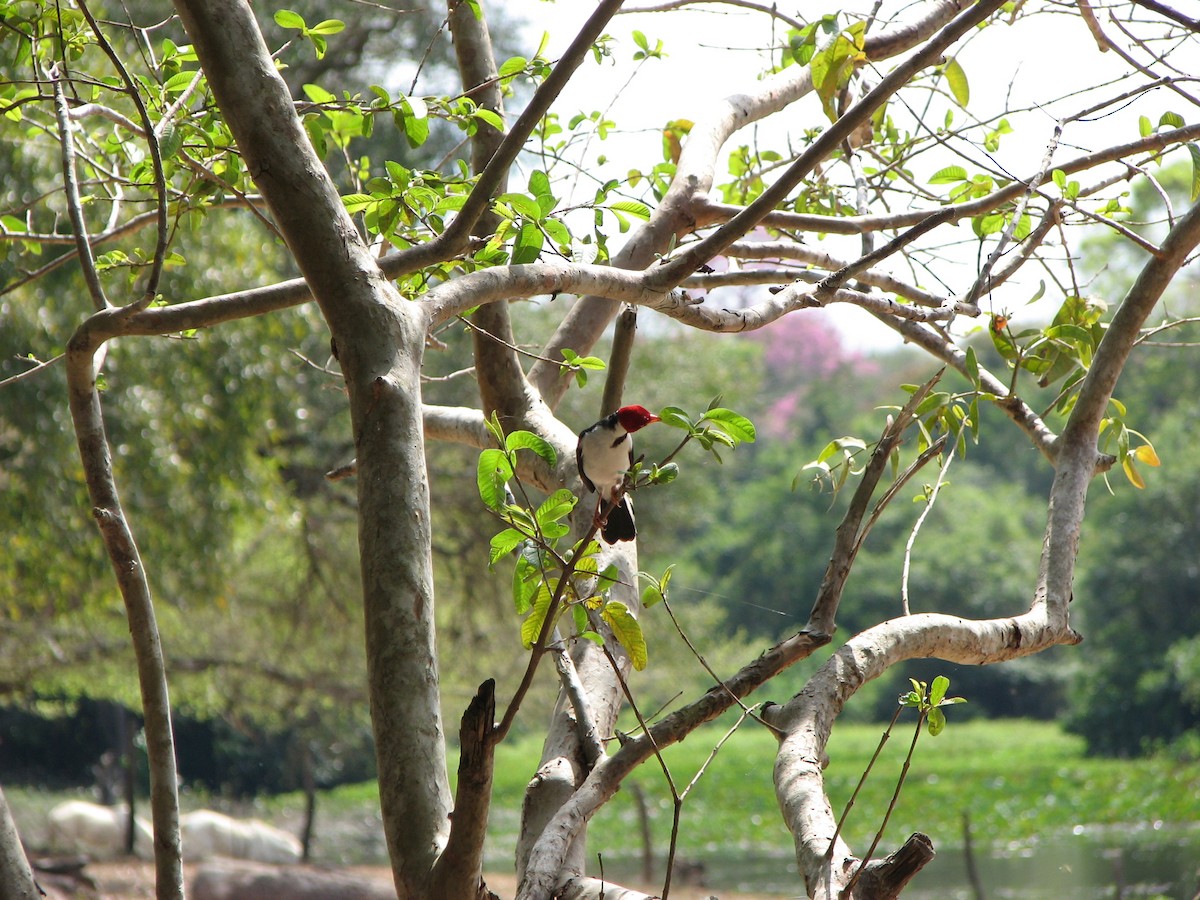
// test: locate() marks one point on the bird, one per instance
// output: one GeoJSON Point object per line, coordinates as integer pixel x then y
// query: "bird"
{"type": "Point", "coordinates": [604, 454]}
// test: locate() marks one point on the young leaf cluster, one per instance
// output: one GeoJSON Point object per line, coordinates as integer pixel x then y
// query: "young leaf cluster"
{"type": "Point", "coordinates": [928, 700]}
{"type": "Point", "coordinates": [718, 427]}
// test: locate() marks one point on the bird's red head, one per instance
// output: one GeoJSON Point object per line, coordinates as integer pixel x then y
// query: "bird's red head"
{"type": "Point", "coordinates": [633, 418]}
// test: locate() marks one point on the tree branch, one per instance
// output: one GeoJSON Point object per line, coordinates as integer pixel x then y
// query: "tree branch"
{"type": "Point", "coordinates": [151, 138]}
{"type": "Point", "coordinates": [505, 390]}
{"type": "Point", "coordinates": [708, 212]}
{"type": "Point", "coordinates": [126, 561]}
{"type": "Point", "coordinates": [87, 259]}
{"type": "Point", "coordinates": [546, 857]}
{"type": "Point", "coordinates": [458, 873]}
{"type": "Point", "coordinates": [930, 53]}
{"type": "Point", "coordinates": [378, 339]}
{"type": "Point", "coordinates": [686, 199]}
{"type": "Point", "coordinates": [806, 721]}
{"type": "Point", "coordinates": [15, 873]}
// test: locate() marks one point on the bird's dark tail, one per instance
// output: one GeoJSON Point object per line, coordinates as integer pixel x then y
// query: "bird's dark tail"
{"type": "Point", "coordinates": [619, 526]}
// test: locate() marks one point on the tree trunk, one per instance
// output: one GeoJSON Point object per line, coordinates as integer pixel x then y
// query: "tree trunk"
{"type": "Point", "coordinates": [378, 339]}
{"type": "Point", "coordinates": [16, 878]}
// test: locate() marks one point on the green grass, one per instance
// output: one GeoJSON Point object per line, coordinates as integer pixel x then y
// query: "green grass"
{"type": "Point", "coordinates": [1018, 781]}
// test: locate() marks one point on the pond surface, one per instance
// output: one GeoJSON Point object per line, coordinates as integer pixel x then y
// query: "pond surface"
{"type": "Point", "coordinates": [1143, 862]}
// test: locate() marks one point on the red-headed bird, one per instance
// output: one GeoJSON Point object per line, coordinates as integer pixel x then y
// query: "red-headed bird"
{"type": "Point", "coordinates": [604, 454]}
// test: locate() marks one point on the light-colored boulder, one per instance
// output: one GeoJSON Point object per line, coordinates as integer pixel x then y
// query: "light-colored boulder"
{"type": "Point", "coordinates": [207, 833]}
{"type": "Point", "coordinates": [77, 826]}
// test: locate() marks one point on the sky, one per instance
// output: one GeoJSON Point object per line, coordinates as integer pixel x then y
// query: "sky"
{"type": "Point", "coordinates": [714, 50]}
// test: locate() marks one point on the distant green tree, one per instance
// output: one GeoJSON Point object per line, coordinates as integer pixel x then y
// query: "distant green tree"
{"type": "Point", "coordinates": [1139, 689]}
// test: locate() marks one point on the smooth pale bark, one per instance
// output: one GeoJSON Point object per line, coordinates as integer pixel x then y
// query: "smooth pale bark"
{"type": "Point", "coordinates": [16, 877]}
{"type": "Point", "coordinates": [88, 419]}
{"type": "Point", "coordinates": [565, 764]}
{"type": "Point", "coordinates": [378, 339]}
{"type": "Point", "coordinates": [806, 721]}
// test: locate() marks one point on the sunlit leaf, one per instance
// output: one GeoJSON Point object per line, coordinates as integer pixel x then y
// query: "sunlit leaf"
{"type": "Point", "coordinates": [528, 245]}
{"type": "Point", "coordinates": [948, 175]}
{"type": "Point", "coordinates": [957, 79]}
{"type": "Point", "coordinates": [532, 626]}
{"type": "Point", "coordinates": [1145, 453]}
{"type": "Point", "coordinates": [493, 473]}
{"type": "Point", "coordinates": [285, 18]}
{"type": "Point", "coordinates": [735, 425]}
{"type": "Point", "coordinates": [504, 543]}
{"type": "Point", "coordinates": [527, 440]}
{"type": "Point", "coordinates": [627, 631]}
{"type": "Point", "coordinates": [1131, 472]}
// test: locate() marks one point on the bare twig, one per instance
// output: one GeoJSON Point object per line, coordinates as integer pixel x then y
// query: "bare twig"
{"type": "Point", "coordinates": [87, 259]}
{"type": "Point", "coordinates": [916, 529]}
{"type": "Point", "coordinates": [160, 181]}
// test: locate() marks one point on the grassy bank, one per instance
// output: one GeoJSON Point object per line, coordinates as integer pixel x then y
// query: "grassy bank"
{"type": "Point", "coordinates": [1017, 780]}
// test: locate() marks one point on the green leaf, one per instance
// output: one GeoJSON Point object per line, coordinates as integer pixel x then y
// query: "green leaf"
{"type": "Point", "coordinates": [328, 26]}
{"type": "Point", "coordinates": [532, 626]}
{"type": "Point", "coordinates": [318, 94]}
{"type": "Point", "coordinates": [972, 366]}
{"type": "Point", "coordinates": [414, 124]}
{"type": "Point", "coordinates": [556, 230]}
{"type": "Point", "coordinates": [528, 245]}
{"type": "Point", "coordinates": [285, 18]}
{"type": "Point", "coordinates": [505, 543]}
{"type": "Point", "coordinates": [539, 186]}
{"type": "Point", "coordinates": [937, 690]}
{"type": "Point", "coordinates": [513, 66]}
{"type": "Point", "coordinates": [491, 117]}
{"type": "Point", "coordinates": [493, 473]}
{"type": "Point", "coordinates": [1171, 120]}
{"type": "Point", "coordinates": [358, 202]}
{"type": "Point", "coordinates": [170, 142]}
{"type": "Point", "coordinates": [525, 583]}
{"type": "Point", "coordinates": [675, 417]}
{"type": "Point", "coordinates": [735, 425]}
{"type": "Point", "coordinates": [664, 474]}
{"type": "Point", "coordinates": [957, 79]}
{"type": "Point", "coordinates": [555, 508]}
{"type": "Point", "coordinates": [1195, 154]}
{"type": "Point", "coordinates": [179, 82]}
{"type": "Point", "coordinates": [527, 440]}
{"type": "Point", "coordinates": [522, 204]}
{"type": "Point", "coordinates": [840, 444]}
{"type": "Point", "coordinates": [949, 175]}
{"type": "Point", "coordinates": [651, 595]}
{"type": "Point", "coordinates": [641, 210]}
{"type": "Point", "coordinates": [937, 722]}
{"type": "Point", "coordinates": [627, 631]}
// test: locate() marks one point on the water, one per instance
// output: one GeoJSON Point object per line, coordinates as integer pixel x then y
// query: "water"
{"type": "Point", "coordinates": [1144, 862]}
